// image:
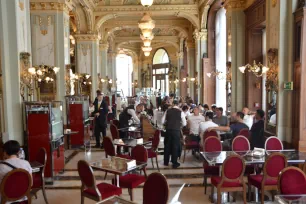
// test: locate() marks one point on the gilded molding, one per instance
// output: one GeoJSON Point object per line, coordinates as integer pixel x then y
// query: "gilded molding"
{"type": "Point", "coordinates": [103, 47]}
{"type": "Point", "coordinates": [85, 37]}
{"type": "Point", "coordinates": [235, 4]}
{"type": "Point", "coordinates": [49, 6]}
{"type": "Point", "coordinates": [202, 35]}
{"type": "Point", "coordinates": [179, 55]}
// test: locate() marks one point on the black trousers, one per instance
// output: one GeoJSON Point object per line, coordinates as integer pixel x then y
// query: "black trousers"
{"type": "Point", "coordinates": [98, 129]}
{"type": "Point", "coordinates": [172, 146]}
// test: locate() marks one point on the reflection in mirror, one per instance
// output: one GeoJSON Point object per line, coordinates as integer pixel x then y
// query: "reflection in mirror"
{"type": "Point", "coordinates": [271, 111]}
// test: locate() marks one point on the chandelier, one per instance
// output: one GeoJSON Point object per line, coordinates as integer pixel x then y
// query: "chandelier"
{"type": "Point", "coordinates": [218, 74]}
{"type": "Point", "coordinates": [257, 69]}
{"type": "Point", "coordinates": [146, 25]}
{"type": "Point", "coordinates": [147, 3]}
{"type": "Point", "coordinates": [42, 73]}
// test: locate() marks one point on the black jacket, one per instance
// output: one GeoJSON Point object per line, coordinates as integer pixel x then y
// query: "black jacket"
{"type": "Point", "coordinates": [101, 120]}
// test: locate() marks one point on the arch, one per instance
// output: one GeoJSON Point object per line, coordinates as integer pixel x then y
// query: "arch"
{"type": "Point", "coordinates": [192, 18]}
{"type": "Point", "coordinates": [160, 55]}
{"type": "Point", "coordinates": [164, 41]}
{"type": "Point", "coordinates": [89, 18]}
{"type": "Point", "coordinates": [204, 17]}
{"type": "Point", "coordinates": [103, 19]}
{"type": "Point", "coordinates": [77, 19]}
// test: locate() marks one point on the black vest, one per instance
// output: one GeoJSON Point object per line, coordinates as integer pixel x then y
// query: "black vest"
{"type": "Point", "coordinates": [173, 119]}
{"type": "Point", "coordinates": [124, 118]}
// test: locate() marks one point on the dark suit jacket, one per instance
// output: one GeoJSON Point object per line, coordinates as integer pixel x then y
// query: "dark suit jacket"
{"type": "Point", "coordinates": [101, 120]}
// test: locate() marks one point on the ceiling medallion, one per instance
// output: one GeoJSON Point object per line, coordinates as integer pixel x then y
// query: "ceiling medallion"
{"type": "Point", "coordinates": [147, 3]}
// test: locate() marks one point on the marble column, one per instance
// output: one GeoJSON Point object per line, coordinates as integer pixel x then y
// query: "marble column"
{"type": "Point", "coordinates": [50, 40]}
{"type": "Point", "coordinates": [197, 72]}
{"type": "Point", "coordinates": [88, 58]}
{"type": "Point", "coordinates": [236, 55]}
{"type": "Point", "coordinates": [191, 68]}
{"type": "Point", "coordinates": [15, 35]}
{"type": "Point", "coordinates": [104, 64]}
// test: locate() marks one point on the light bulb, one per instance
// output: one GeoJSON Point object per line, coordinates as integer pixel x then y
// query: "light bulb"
{"type": "Point", "coordinates": [87, 76]}
{"type": "Point", "coordinates": [147, 3]}
{"type": "Point", "coordinates": [208, 74]}
{"type": "Point", "coordinates": [242, 69]}
{"type": "Point", "coordinates": [147, 49]}
{"type": "Point", "coordinates": [56, 69]}
{"type": "Point", "coordinates": [32, 70]}
{"type": "Point", "coordinates": [147, 42]}
{"type": "Point", "coordinates": [147, 33]}
{"type": "Point", "coordinates": [147, 54]}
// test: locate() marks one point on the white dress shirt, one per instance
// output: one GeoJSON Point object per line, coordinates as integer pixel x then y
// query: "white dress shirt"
{"type": "Point", "coordinates": [204, 126]}
{"type": "Point", "coordinates": [183, 118]}
{"type": "Point", "coordinates": [134, 116]}
{"type": "Point", "coordinates": [194, 123]}
{"type": "Point", "coordinates": [248, 120]}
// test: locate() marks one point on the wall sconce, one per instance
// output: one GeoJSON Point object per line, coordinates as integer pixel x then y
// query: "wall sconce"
{"type": "Point", "coordinates": [257, 69]}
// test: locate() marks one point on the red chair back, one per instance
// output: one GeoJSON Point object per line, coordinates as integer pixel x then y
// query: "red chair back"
{"type": "Point", "coordinates": [116, 123]}
{"type": "Point", "coordinates": [87, 177]}
{"type": "Point", "coordinates": [156, 189]}
{"type": "Point", "coordinates": [210, 134]}
{"type": "Point", "coordinates": [114, 131]}
{"type": "Point", "coordinates": [109, 146]}
{"type": "Point", "coordinates": [140, 154]}
{"type": "Point", "coordinates": [230, 173]}
{"type": "Point", "coordinates": [244, 132]}
{"type": "Point", "coordinates": [240, 143]}
{"type": "Point", "coordinates": [274, 164]}
{"type": "Point", "coordinates": [292, 181]}
{"type": "Point", "coordinates": [156, 139]}
{"type": "Point", "coordinates": [212, 144]}
{"type": "Point", "coordinates": [273, 143]}
{"type": "Point", "coordinates": [41, 156]}
{"type": "Point", "coordinates": [15, 185]}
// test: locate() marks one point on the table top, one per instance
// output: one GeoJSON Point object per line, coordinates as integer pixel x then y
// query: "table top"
{"type": "Point", "coordinates": [290, 199]}
{"type": "Point", "coordinates": [130, 142]}
{"type": "Point", "coordinates": [36, 166]}
{"type": "Point", "coordinates": [130, 129]}
{"type": "Point", "coordinates": [217, 158]}
{"type": "Point", "coordinates": [115, 200]}
{"type": "Point", "coordinates": [115, 165]}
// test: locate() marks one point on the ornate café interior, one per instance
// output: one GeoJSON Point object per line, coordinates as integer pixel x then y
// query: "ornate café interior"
{"type": "Point", "coordinates": [152, 101]}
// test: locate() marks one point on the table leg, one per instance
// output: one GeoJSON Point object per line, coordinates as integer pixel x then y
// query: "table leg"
{"type": "Point", "coordinates": [117, 180]}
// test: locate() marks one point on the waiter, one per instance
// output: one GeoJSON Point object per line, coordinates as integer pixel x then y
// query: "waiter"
{"type": "Point", "coordinates": [100, 113]}
{"type": "Point", "coordinates": [174, 119]}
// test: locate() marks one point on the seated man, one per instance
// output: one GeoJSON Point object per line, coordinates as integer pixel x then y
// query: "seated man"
{"type": "Point", "coordinates": [11, 150]}
{"type": "Point", "coordinates": [193, 123]}
{"type": "Point", "coordinates": [207, 124]}
{"type": "Point", "coordinates": [220, 119]}
{"type": "Point", "coordinates": [257, 131]}
{"type": "Point", "coordinates": [248, 117]}
{"type": "Point", "coordinates": [235, 127]}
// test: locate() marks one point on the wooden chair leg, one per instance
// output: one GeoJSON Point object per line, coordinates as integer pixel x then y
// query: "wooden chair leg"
{"type": "Point", "coordinates": [157, 163]}
{"type": "Point", "coordinates": [205, 184]}
{"type": "Point", "coordinates": [44, 194]}
{"type": "Point", "coordinates": [82, 199]}
{"type": "Point", "coordinates": [212, 194]}
{"type": "Point", "coordinates": [184, 155]}
{"type": "Point", "coordinates": [152, 163]}
{"type": "Point", "coordinates": [218, 196]}
{"type": "Point", "coordinates": [249, 191]}
{"type": "Point", "coordinates": [244, 196]}
{"type": "Point", "coordinates": [131, 194]}
{"type": "Point", "coordinates": [105, 175]}
{"type": "Point", "coordinates": [262, 196]}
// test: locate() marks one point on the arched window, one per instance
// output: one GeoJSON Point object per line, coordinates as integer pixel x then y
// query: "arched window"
{"type": "Point", "coordinates": [221, 57]}
{"type": "Point", "coordinates": [124, 69]}
{"type": "Point", "coordinates": [161, 65]}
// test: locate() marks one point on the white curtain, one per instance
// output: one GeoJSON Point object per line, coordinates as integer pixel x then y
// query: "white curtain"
{"type": "Point", "coordinates": [221, 57]}
{"type": "Point", "coordinates": [124, 69]}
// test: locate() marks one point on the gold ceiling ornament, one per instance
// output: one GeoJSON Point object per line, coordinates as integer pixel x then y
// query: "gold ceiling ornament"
{"type": "Point", "coordinates": [272, 75]}
{"type": "Point", "coordinates": [147, 3]}
{"type": "Point", "coordinates": [257, 69]}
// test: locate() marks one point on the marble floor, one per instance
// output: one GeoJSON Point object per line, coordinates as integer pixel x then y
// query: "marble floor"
{"type": "Point", "coordinates": [185, 183]}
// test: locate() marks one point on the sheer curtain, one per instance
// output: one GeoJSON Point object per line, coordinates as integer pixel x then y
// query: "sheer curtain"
{"type": "Point", "coordinates": [221, 57]}
{"type": "Point", "coordinates": [124, 69]}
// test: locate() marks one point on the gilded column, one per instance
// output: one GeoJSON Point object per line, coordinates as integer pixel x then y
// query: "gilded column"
{"type": "Point", "coordinates": [88, 58]}
{"type": "Point", "coordinates": [191, 69]}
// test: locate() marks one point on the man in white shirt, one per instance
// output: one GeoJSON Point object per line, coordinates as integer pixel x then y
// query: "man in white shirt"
{"type": "Point", "coordinates": [11, 150]}
{"type": "Point", "coordinates": [207, 124]}
{"type": "Point", "coordinates": [193, 123]}
{"type": "Point", "coordinates": [248, 118]}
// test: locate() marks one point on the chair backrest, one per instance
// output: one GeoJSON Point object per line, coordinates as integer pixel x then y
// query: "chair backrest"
{"type": "Point", "coordinates": [116, 123]}
{"type": "Point", "coordinates": [41, 156]}
{"type": "Point", "coordinates": [140, 154]}
{"type": "Point", "coordinates": [273, 143]}
{"type": "Point", "coordinates": [114, 131]}
{"type": "Point", "coordinates": [240, 143]}
{"type": "Point", "coordinates": [109, 146]}
{"type": "Point", "coordinates": [156, 139]}
{"type": "Point", "coordinates": [15, 185]}
{"type": "Point", "coordinates": [244, 132]}
{"type": "Point", "coordinates": [87, 177]}
{"type": "Point", "coordinates": [274, 164]}
{"type": "Point", "coordinates": [209, 134]}
{"type": "Point", "coordinates": [292, 181]}
{"type": "Point", "coordinates": [212, 144]}
{"type": "Point", "coordinates": [228, 172]}
{"type": "Point", "coordinates": [156, 189]}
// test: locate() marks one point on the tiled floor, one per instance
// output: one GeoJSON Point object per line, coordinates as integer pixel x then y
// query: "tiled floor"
{"type": "Point", "coordinates": [65, 189]}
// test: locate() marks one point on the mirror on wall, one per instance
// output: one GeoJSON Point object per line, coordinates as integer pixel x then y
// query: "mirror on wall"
{"type": "Point", "coordinates": [271, 121]}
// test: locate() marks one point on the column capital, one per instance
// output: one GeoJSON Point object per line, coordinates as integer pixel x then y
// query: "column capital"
{"type": "Point", "coordinates": [200, 35]}
{"type": "Point", "coordinates": [40, 5]}
{"type": "Point", "coordinates": [231, 5]}
{"type": "Point", "coordinates": [190, 45]}
{"type": "Point", "coordinates": [103, 46]}
{"type": "Point", "coordinates": [179, 55]}
{"type": "Point", "coordinates": [86, 37]}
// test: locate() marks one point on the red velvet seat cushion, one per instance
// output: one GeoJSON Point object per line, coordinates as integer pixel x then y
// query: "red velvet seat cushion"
{"type": "Point", "coordinates": [124, 156]}
{"type": "Point", "coordinates": [37, 181]}
{"type": "Point", "coordinates": [131, 180]}
{"type": "Point", "coordinates": [255, 180]}
{"type": "Point", "coordinates": [292, 182]}
{"type": "Point", "coordinates": [215, 180]}
{"type": "Point", "coordinates": [191, 144]}
{"type": "Point", "coordinates": [211, 170]}
{"type": "Point", "coordinates": [151, 154]}
{"type": "Point", "coordinates": [106, 190]}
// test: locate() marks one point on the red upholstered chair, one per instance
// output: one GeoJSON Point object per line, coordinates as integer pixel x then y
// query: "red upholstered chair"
{"type": "Point", "coordinates": [209, 134]}
{"type": "Point", "coordinates": [153, 151]}
{"type": "Point", "coordinates": [130, 181]}
{"type": "Point", "coordinates": [242, 144]}
{"type": "Point", "coordinates": [189, 145]}
{"type": "Point", "coordinates": [16, 185]}
{"type": "Point", "coordinates": [90, 189]}
{"type": "Point", "coordinates": [231, 179]}
{"type": "Point", "coordinates": [211, 144]}
{"type": "Point", "coordinates": [244, 132]}
{"type": "Point", "coordinates": [292, 181]}
{"type": "Point", "coordinates": [114, 131]}
{"type": "Point", "coordinates": [156, 189]}
{"type": "Point", "coordinates": [116, 123]}
{"type": "Point", "coordinates": [273, 143]}
{"type": "Point", "coordinates": [274, 164]}
{"type": "Point", "coordinates": [38, 177]}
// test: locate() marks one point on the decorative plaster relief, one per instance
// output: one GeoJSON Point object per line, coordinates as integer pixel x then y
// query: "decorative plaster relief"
{"type": "Point", "coordinates": [84, 58]}
{"type": "Point", "coordinates": [50, 6]}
